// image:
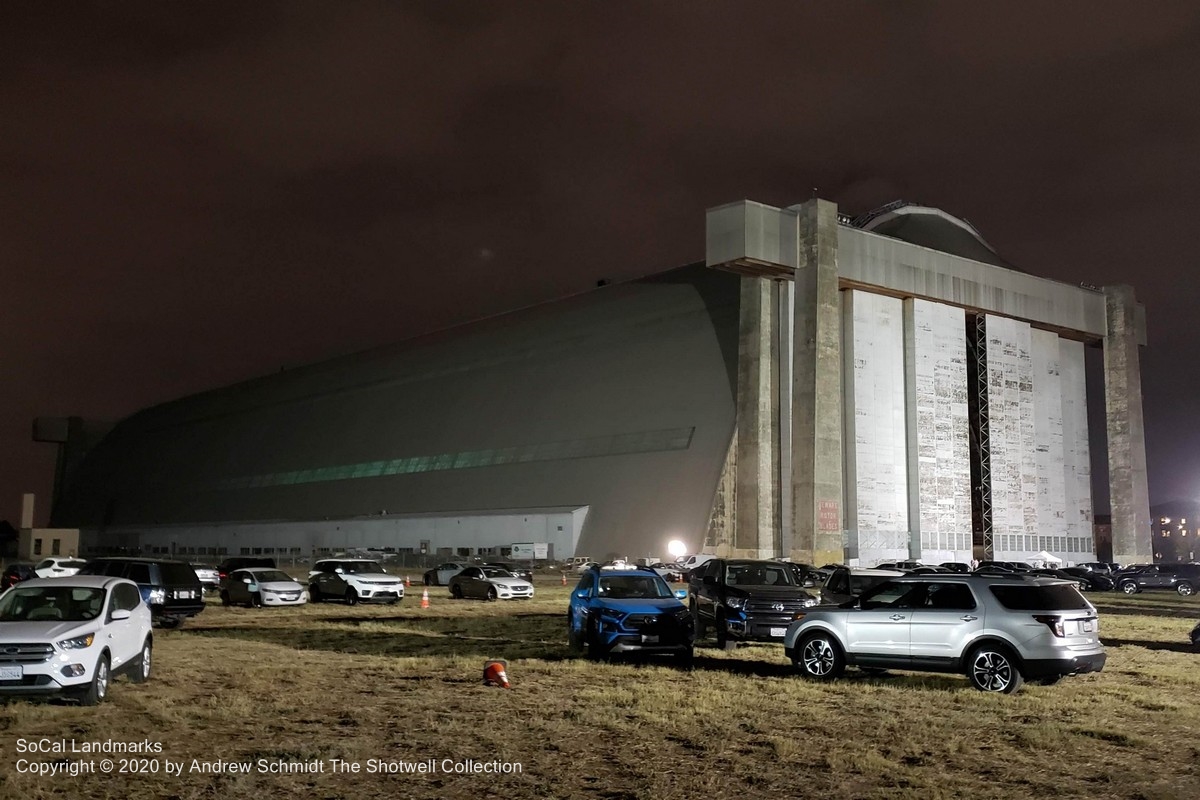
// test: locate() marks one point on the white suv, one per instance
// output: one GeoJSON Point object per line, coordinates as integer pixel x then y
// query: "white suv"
{"type": "Point", "coordinates": [71, 635]}
{"type": "Point", "coordinates": [352, 580]}
{"type": "Point", "coordinates": [999, 629]}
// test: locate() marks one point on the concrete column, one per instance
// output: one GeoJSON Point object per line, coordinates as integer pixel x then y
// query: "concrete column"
{"type": "Point", "coordinates": [757, 530]}
{"type": "Point", "coordinates": [816, 484]}
{"type": "Point", "coordinates": [1128, 485]}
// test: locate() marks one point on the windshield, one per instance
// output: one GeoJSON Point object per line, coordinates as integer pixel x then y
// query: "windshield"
{"type": "Point", "coordinates": [633, 586]}
{"type": "Point", "coordinates": [755, 574]}
{"type": "Point", "coordinates": [272, 576]}
{"type": "Point", "coordinates": [364, 567]}
{"type": "Point", "coordinates": [51, 603]}
{"type": "Point", "coordinates": [496, 572]}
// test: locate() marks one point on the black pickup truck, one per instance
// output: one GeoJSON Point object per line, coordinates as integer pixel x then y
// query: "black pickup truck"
{"type": "Point", "coordinates": [745, 600]}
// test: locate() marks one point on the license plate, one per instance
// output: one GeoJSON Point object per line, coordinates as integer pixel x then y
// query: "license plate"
{"type": "Point", "coordinates": [12, 673]}
{"type": "Point", "coordinates": [646, 639]}
{"type": "Point", "coordinates": [1088, 627]}
{"type": "Point", "coordinates": [779, 632]}
{"type": "Point", "coordinates": [184, 595]}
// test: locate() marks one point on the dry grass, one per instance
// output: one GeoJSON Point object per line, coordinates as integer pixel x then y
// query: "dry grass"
{"type": "Point", "coordinates": [402, 683]}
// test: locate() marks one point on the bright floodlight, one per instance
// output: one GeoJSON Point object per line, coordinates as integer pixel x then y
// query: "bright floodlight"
{"type": "Point", "coordinates": [676, 548]}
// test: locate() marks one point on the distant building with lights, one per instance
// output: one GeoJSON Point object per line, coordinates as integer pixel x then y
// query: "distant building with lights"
{"type": "Point", "coordinates": [1176, 528]}
{"type": "Point", "coordinates": [823, 388]}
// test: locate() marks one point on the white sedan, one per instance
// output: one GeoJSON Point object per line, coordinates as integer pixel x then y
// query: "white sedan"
{"type": "Point", "coordinates": [58, 567]}
{"type": "Point", "coordinates": [489, 583]}
{"type": "Point", "coordinates": [263, 586]}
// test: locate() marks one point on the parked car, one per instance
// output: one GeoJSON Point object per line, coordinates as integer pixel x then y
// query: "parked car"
{"type": "Point", "coordinates": [210, 577]}
{"type": "Point", "coordinates": [745, 600]}
{"type": "Point", "coordinates": [489, 583]}
{"type": "Point", "coordinates": [1103, 567]}
{"type": "Point", "coordinates": [263, 586]}
{"type": "Point", "coordinates": [691, 562]}
{"type": "Point", "coordinates": [352, 580]}
{"type": "Point", "coordinates": [170, 588]}
{"type": "Point", "coordinates": [1007, 566]}
{"type": "Point", "coordinates": [668, 572]}
{"type": "Point", "coordinates": [847, 583]}
{"type": "Point", "coordinates": [956, 566]}
{"type": "Point", "coordinates": [241, 562]}
{"type": "Point", "coordinates": [524, 573]}
{"type": "Point", "coordinates": [442, 573]}
{"type": "Point", "coordinates": [905, 565]}
{"type": "Point", "coordinates": [632, 610]}
{"type": "Point", "coordinates": [999, 630]}
{"type": "Point", "coordinates": [585, 566]}
{"type": "Point", "coordinates": [15, 573]}
{"type": "Point", "coordinates": [57, 567]}
{"type": "Point", "coordinates": [1082, 584]}
{"type": "Point", "coordinates": [71, 635]}
{"type": "Point", "coordinates": [1095, 581]}
{"type": "Point", "coordinates": [1180, 578]}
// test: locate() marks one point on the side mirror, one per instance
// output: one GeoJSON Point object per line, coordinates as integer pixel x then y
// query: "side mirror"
{"type": "Point", "coordinates": [247, 580]}
{"type": "Point", "coordinates": [339, 570]}
{"type": "Point", "coordinates": [709, 580]}
{"type": "Point", "coordinates": [681, 594]}
{"type": "Point", "coordinates": [582, 594]}
{"type": "Point", "coordinates": [120, 614]}
{"type": "Point", "coordinates": [809, 583]}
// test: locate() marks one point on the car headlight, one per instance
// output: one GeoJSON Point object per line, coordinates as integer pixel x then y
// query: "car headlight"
{"type": "Point", "coordinates": [809, 602]}
{"type": "Point", "coordinates": [608, 613]}
{"type": "Point", "coordinates": [737, 602]}
{"type": "Point", "coordinates": [682, 613]}
{"type": "Point", "coordinates": [158, 596]}
{"type": "Point", "coordinates": [78, 643]}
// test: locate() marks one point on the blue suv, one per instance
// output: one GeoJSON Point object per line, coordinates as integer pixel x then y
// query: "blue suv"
{"type": "Point", "coordinates": [628, 610]}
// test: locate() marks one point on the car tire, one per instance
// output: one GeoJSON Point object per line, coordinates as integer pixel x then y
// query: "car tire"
{"type": "Point", "coordinates": [97, 691]}
{"type": "Point", "coordinates": [428, 581]}
{"type": "Point", "coordinates": [314, 594]}
{"type": "Point", "coordinates": [574, 638]}
{"type": "Point", "coordinates": [170, 622]}
{"type": "Point", "coordinates": [1185, 589]}
{"type": "Point", "coordinates": [351, 597]}
{"type": "Point", "coordinates": [993, 668]}
{"type": "Point", "coordinates": [819, 657]}
{"type": "Point", "coordinates": [723, 640]}
{"type": "Point", "coordinates": [491, 593]}
{"type": "Point", "coordinates": [685, 659]}
{"type": "Point", "coordinates": [1129, 587]}
{"type": "Point", "coordinates": [225, 601]}
{"type": "Point", "coordinates": [256, 600]}
{"type": "Point", "coordinates": [456, 592]}
{"type": "Point", "coordinates": [140, 672]}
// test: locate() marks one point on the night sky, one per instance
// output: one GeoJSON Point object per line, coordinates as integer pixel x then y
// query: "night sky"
{"type": "Point", "coordinates": [194, 194]}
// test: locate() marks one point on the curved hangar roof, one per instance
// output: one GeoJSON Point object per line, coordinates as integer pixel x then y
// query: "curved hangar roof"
{"type": "Point", "coordinates": [620, 399]}
{"type": "Point", "coordinates": [930, 227]}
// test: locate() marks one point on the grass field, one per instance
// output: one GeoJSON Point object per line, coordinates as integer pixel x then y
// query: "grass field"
{"type": "Point", "coordinates": [398, 683]}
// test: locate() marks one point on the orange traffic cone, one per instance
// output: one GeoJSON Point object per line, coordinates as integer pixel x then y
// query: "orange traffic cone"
{"type": "Point", "coordinates": [407, 581]}
{"type": "Point", "coordinates": [494, 674]}
{"type": "Point", "coordinates": [425, 599]}
{"type": "Point", "coordinates": [564, 576]}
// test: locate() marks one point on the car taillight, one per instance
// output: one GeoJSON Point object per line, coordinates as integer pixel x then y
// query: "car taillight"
{"type": "Point", "coordinates": [1051, 621]}
{"type": "Point", "coordinates": [221, 575]}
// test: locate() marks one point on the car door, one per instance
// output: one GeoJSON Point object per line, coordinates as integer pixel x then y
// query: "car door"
{"type": "Point", "coordinates": [329, 582]}
{"type": "Point", "coordinates": [707, 588]}
{"type": "Point", "coordinates": [470, 580]}
{"type": "Point", "coordinates": [947, 617]}
{"type": "Point", "coordinates": [123, 636]}
{"type": "Point", "coordinates": [448, 571]}
{"type": "Point", "coordinates": [879, 625]}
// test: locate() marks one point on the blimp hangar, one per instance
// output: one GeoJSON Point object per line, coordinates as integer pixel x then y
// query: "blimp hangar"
{"type": "Point", "coordinates": [822, 387]}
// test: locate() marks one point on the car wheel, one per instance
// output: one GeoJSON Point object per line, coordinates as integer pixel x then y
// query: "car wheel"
{"type": "Point", "coordinates": [141, 672]}
{"type": "Point", "coordinates": [314, 594]}
{"type": "Point", "coordinates": [1129, 587]}
{"type": "Point", "coordinates": [697, 623]}
{"type": "Point", "coordinates": [256, 600]}
{"type": "Point", "coordinates": [491, 595]}
{"type": "Point", "coordinates": [351, 597]}
{"type": "Point", "coordinates": [97, 690]}
{"type": "Point", "coordinates": [723, 640]}
{"type": "Point", "coordinates": [170, 622]}
{"type": "Point", "coordinates": [574, 640]}
{"type": "Point", "coordinates": [595, 648]}
{"type": "Point", "coordinates": [1185, 589]}
{"type": "Point", "coordinates": [456, 592]}
{"type": "Point", "coordinates": [819, 657]}
{"type": "Point", "coordinates": [994, 669]}
{"type": "Point", "coordinates": [428, 580]}
{"type": "Point", "coordinates": [225, 601]}
{"type": "Point", "coordinates": [685, 659]}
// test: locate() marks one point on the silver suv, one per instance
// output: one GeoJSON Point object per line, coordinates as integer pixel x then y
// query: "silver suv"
{"type": "Point", "coordinates": [998, 629]}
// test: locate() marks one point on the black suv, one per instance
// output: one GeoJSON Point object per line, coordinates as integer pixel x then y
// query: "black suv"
{"type": "Point", "coordinates": [1181, 578]}
{"type": "Point", "coordinates": [170, 588]}
{"type": "Point", "coordinates": [745, 599]}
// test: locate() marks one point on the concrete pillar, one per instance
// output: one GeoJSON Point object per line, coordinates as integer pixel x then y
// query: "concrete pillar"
{"type": "Point", "coordinates": [816, 484]}
{"type": "Point", "coordinates": [1128, 485]}
{"type": "Point", "coordinates": [757, 530]}
{"type": "Point", "coordinates": [27, 501]}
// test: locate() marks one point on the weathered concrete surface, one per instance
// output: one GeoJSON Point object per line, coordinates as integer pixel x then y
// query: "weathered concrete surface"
{"type": "Point", "coordinates": [757, 529]}
{"type": "Point", "coordinates": [1129, 493]}
{"type": "Point", "coordinates": [817, 389]}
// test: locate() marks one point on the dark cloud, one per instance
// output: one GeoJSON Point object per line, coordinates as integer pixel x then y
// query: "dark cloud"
{"type": "Point", "coordinates": [199, 192]}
